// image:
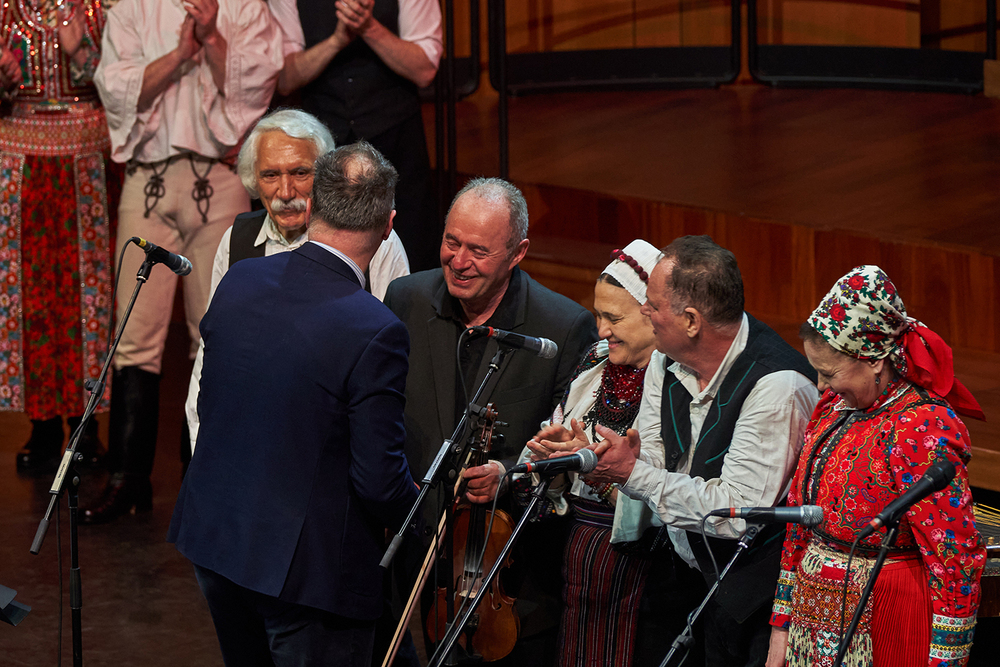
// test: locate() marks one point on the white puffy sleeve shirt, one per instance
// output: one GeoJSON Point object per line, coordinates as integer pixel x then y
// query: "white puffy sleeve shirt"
{"type": "Point", "coordinates": [192, 115]}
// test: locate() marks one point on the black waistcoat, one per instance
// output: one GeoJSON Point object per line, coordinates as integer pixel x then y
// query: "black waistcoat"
{"type": "Point", "coordinates": [752, 580]}
{"type": "Point", "coordinates": [357, 91]}
{"type": "Point", "coordinates": [246, 227]}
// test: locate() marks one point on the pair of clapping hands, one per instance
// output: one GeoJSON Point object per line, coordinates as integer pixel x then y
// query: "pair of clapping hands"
{"type": "Point", "coordinates": [616, 457]}
{"type": "Point", "coordinates": [199, 26]}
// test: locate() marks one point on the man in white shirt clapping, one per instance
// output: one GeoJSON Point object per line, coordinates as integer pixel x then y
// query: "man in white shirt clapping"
{"type": "Point", "coordinates": [181, 83]}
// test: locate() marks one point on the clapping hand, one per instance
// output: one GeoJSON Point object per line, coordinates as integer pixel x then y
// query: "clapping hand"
{"type": "Point", "coordinates": [10, 69]}
{"type": "Point", "coordinates": [204, 13]}
{"type": "Point", "coordinates": [70, 30]}
{"type": "Point", "coordinates": [188, 46]}
{"type": "Point", "coordinates": [557, 440]}
{"type": "Point", "coordinates": [616, 455]}
{"type": "Point", "coordinates": [356, 15]}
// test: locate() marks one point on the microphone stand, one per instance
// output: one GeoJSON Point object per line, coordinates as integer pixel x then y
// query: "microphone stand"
{"type": "Point", "coordinates": [686, 638]}
{"type": "Point", "coordinates": [887, 542]}
{"type": "Point", "coordinates": [67, 472]}
{"type": "Point", "coordinates": [433, 474]}
{"type": "Point", "coordinates": [449, 450]}
{"type": "Point", "coordinates": [457, 625]}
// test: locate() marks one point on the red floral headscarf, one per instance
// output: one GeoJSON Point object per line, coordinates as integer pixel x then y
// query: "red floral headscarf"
{"type": "Point", "coordinates": [863, 316]}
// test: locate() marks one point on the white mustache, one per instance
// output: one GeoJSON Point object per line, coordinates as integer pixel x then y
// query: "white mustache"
{"type": "Point", "coordinates": [297, 205]}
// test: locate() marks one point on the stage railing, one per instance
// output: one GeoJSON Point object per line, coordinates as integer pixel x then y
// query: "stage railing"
{"type": "Point", "coordinates": [927, 69]}
{"type": "Point", "coordinates": [619, 68]}
{"type": "Point", "coordinates": [787, 64]}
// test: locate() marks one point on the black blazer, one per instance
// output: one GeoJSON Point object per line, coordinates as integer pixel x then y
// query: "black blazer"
{"type": "Point", "coordinates": [528, 387]}
{"type": "Point", "coordinates": [299, 467]}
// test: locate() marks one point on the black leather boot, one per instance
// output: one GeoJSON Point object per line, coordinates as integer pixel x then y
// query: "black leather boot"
{"type": "Point", "coordinates": [42, 451]}
{"type": "Point", "coordinates": [135, 411]}
{"type": "Point", "coordinates": [121, 496]}
{"type": "Point", "coordinates": [90, 447]}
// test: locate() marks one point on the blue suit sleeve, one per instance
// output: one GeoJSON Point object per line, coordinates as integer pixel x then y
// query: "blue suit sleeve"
{"type": "Point", "coordinates": [378, 471]}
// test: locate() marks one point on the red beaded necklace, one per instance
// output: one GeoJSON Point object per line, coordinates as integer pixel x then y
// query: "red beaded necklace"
{"type": "Point", "coordinates": [618, 397]}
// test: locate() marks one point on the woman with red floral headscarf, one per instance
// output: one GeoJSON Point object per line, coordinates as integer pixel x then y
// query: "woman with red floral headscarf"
{"type": "Point", "coordinates": [887, 414]}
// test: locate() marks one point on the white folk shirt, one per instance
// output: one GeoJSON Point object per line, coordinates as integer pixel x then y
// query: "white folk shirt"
{"type": "Point", "coordinates": [192, 114]}
{"type": "Point", "coordinates": [390, 262]}
{"type": "Point", "coordinates": [419, 22]}
{"type": "Point", "coordinates": [758, 465]}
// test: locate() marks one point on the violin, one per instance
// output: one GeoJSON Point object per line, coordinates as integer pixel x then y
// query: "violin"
{"type": "Point", "coordinates": [493, 629]}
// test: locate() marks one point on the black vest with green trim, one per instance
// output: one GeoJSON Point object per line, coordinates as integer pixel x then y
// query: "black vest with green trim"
{"type": "Point", "coordinates": [753, 579]}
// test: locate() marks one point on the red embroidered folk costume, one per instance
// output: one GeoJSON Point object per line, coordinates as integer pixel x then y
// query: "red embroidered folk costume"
{"type": "Point", "coordinates": [855, 462]}
{"type": "Point", "coordinates": [55, 218]}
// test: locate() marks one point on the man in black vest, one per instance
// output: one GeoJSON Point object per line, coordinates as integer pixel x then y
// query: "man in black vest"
{"type": "Point", "coordinates": [724, 407]}
{"type": "Point", "coordinates": [360, 67]}
{"type": "Point", "coordinates": [275, 165]}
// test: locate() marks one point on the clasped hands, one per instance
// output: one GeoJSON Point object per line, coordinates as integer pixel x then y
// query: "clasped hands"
{"type": "Point", "coordinates": [354, 18]}
{"type": "Point", "coordinates": [616, 456]}
{"type": "Point", "coordinates": [199, 26]}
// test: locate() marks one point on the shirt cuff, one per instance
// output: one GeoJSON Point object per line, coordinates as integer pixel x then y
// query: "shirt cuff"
{"type": "Point", "coordinates": [781, 612]}
{"type": "Point", "coordinates": [638, 485]}
{"type": "Point", "coordinates": [951, 640]}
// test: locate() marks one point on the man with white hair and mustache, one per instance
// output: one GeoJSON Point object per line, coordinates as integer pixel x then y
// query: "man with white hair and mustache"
{"type": "Point", "coordinates": [276, 166]}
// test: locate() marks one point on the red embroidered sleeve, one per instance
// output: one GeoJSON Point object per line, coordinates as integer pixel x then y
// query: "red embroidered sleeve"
{"type": "Point", "coordinates": [943, 526]}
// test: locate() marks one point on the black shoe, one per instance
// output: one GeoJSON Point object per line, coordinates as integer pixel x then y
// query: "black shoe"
{"type": "Point", "coordinates": [89, 450]}
{"type": "Point", "coordinates": [121, 496]}
{"type": "Point", "coordinates": [41, 453]}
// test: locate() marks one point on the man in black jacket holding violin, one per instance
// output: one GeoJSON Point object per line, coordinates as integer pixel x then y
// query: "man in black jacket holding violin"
{"type": "Point", "coordinates": [479, 283]}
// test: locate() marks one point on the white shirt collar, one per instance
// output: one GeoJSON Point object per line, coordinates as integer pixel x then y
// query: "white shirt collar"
{"type": "Point", "coordinates": [350, 262]}
{"type": "Point", "coordinates": [269, 232]}
{"type": "Point", "coordinates": [689, 379]}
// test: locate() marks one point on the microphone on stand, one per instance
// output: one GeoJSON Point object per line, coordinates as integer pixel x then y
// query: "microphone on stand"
{"type": "Point", "coordinates": [543, 347]}
{"type": "Point", "coordinates": [582, 461]}
{"type": "Point", "coordinates": [179, 264]}
{"type": "Point", "coordinates": [807, 515]}
{"type": "Point", "coordinates": [935, 478]}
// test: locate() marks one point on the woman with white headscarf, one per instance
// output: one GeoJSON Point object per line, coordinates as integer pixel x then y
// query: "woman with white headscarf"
{"type": "Point", "coordinates": [602, 585]}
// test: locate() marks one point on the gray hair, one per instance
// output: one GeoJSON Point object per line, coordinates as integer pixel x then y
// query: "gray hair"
{"type": "Point", "coordinates": [499, 191]}
{"type": "Point", "coordinates": [354, 188]}
{"type": "Point", "coordinates": [705, 276]}
{"type": "Point", "coordinates": [296, 124]}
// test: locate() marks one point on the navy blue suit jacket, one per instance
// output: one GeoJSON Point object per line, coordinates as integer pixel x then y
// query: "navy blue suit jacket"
{"type": "Point", "coordinates": [299, 466]}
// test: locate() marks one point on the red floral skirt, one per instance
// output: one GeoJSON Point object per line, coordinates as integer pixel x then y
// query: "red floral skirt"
{"type": "Point", "coordinates": [56, 220]}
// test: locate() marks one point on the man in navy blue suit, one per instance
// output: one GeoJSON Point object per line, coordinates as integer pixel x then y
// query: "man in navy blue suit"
{"type": "Point", "coordinates": [299, 468]}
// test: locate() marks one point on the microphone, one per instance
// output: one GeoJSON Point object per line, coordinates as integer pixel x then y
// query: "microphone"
{"type": "Point", "coordinates": [938, 476]}
{"type": "Point", "coordinates": [807, 515]}
{"type": "Point", "coordinates": [582, 461]}
{"type": "Point", "coordinates": [179, 264]}
{"type": "Point", "coordinates": [543, 347]}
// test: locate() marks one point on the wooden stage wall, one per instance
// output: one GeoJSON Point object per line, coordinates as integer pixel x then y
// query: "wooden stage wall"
{"type": "Point", "coordinates": [786, 268]}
